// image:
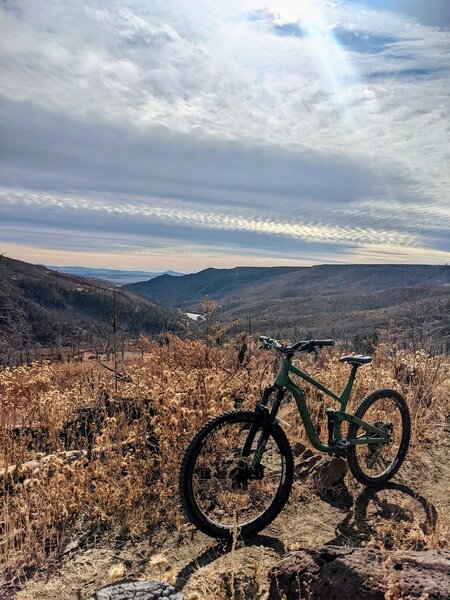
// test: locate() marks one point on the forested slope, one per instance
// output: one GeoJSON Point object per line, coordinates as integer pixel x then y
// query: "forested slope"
{"type": "Point", "coordinates": [41, 306]}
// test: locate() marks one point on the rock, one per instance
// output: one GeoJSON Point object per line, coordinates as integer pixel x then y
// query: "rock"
{"type": "Point", "coordinates": [338, 573]}
{"type": "Point", "coordinates": [330, 472]}
{"type": "Point", "coordinates": [304, 468]}
{"type": "Point", "coordinates": [137, 590]}
{"type": "Point", "coordinates": [72, 546]}
{"type": "Point", "coordinates": [298, 448]}
{"type": "Point", "coordinates": [307, 454]}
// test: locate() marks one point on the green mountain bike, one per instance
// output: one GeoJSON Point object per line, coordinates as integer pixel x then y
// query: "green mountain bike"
{"type": "Point", "coordinates": [237, 473]}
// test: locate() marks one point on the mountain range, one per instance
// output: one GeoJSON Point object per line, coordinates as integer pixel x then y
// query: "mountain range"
{"type": "Point", "coordinates": [44, 307]}
{"type": "Point", "coordinates": [339, 300]}
{"type": "Point", "coordinates": [116, 276]}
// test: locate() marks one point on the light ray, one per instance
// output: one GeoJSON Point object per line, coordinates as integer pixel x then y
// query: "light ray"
{"type": "Point", "coordinates": [336, 73]}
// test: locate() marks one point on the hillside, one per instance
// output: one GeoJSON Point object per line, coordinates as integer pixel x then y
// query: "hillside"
{"type": "Point", "coordinates": [339, 300]}
{"type": "Point", "coordinates": [260, 283]}
{"type": "Point", "coordinates": [188, 290]}
{"type": "Point", "coordinates": [42, 307]}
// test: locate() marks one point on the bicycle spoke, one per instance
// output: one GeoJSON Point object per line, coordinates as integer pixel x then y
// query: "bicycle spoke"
{"type": "Point", "coordinates": [223, 490]}
{"type": "Point", "coordinates": [378, 459]}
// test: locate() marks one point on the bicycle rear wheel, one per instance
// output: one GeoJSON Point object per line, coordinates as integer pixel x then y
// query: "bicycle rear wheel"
{"type": "Point", "coordinates": [218, 492]}
{"type": "Point", "coordinates": [375, 464]}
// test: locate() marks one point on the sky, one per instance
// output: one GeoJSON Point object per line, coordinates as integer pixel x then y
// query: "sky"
{"type": "Point", "coordinates": [171, 134]}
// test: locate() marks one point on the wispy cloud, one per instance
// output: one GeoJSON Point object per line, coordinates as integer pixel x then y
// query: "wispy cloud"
{"type": "Point", "coordinates": [150, 213]}
{"type": "Point", "coordinates": [254, 127]}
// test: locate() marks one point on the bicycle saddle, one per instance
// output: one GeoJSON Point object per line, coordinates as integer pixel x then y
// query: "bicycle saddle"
{"type": "Point", "coordinates": [356, 359]}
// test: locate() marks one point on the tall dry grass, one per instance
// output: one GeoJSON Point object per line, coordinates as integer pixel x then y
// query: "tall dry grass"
{"type": "Point", "coordinates": [126, 487]}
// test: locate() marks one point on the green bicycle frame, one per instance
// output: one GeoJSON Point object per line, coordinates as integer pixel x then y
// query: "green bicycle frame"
{"type": "Point", "coordinates": [376, 435]}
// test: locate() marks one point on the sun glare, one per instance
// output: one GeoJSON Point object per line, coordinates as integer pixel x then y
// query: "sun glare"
{"type": "Point", "coordinates": [291, 11]}
{"type": "Point", "coordinates": [337, 76]}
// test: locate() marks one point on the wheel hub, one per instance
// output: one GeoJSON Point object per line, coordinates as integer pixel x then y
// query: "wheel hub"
{"type": "Point", "coordinates": [242, 473]}
{"type": "Point", "coordinates": [387, 428]}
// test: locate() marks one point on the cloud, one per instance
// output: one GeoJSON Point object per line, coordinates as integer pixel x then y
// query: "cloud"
{"type": "Point", "coordinates": [81, 155]}
{"type": "Point", "coordinates": [254, 128]}
{"type": "Point", "coordinates": [433, 12]}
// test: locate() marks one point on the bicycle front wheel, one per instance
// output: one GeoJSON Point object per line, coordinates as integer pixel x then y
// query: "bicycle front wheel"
{"type": "Point", "coordinates": [219, 494]}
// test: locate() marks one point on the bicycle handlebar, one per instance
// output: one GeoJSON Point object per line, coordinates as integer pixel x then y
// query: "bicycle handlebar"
{"type": "Point", "coordinates": [302, 346]}
{"type": "Point", "coordinates": [324, 342]}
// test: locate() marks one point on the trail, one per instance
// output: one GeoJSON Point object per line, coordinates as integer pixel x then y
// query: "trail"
{"type": "Point", "coordinates": [412, 511]}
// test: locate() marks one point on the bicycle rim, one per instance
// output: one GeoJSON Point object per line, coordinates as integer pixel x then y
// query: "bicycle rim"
{"type": "Point", "coordinates": [377, 460]}
{"type": "Point", "coordinates": [222, 492]}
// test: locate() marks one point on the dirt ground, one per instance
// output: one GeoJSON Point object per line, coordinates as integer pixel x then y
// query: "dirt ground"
{"type": "Point", "coordinates": [411, 512]}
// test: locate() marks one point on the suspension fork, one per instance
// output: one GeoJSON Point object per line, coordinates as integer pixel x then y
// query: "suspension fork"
{"type": "Point", "coordinates": [268, 417]}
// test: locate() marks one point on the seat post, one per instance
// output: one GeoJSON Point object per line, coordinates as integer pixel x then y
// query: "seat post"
{"type": "Point", "coordinates": [353, 371]}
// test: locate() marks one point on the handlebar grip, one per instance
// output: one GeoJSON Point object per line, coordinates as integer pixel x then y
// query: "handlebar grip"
{"type": "Point", "coordinates": [324, 342]}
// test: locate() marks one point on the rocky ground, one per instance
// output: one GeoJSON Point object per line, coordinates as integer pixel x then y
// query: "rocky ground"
{"type": "Point", "coordinates": [331, 573]}
{"type": "Point", "coordinates": [328, 520]}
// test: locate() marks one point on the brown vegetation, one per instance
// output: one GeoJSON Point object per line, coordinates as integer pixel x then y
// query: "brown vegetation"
{"type": "Point", "coordinates": [127, 488]}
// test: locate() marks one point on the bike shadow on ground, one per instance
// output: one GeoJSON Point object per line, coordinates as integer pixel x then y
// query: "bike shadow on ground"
{"type": "Point", "coordinates": [391, 503]}
{"type": "Point", "coordinates": [214, 552]}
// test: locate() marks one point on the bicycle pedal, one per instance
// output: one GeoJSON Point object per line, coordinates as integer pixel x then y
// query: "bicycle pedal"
{"type": "Point", "coordinates": [343, 444]}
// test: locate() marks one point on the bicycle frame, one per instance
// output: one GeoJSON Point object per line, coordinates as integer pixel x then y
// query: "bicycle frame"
{"type": "Point", "coordinates": [283, 381]}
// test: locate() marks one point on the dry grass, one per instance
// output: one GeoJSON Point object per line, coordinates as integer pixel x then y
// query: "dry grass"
{"type": "Point", "coordinates": [127, 489]}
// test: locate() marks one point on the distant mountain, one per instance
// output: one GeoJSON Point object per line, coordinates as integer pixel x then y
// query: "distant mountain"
{"type": "Point", "coordinates": [117, 276]}
{"type": "Point", "coordinates": [259, 283]}
{"type": "Point", "coordinates": [188, 290]}
{"type": "Point", "coordinates": [44, 307]}
{"type": "Point", "coordinates": [340, 300]}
